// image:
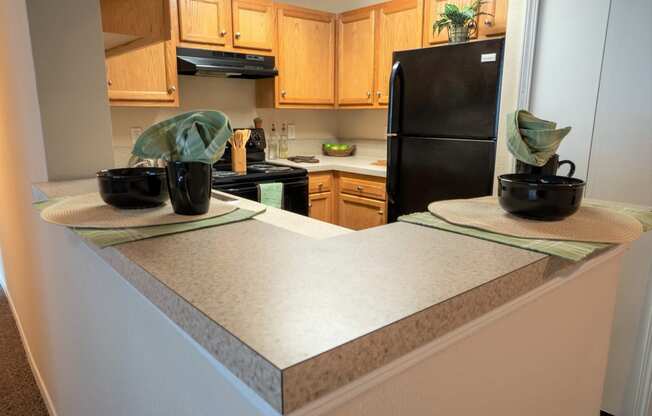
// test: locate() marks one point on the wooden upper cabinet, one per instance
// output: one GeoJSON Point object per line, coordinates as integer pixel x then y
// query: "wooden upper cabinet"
{"type": "Point", "coordinates": [496, 24]}
{"type": "Point", "coordinates": [205, 21]}
{"type": "Point", "coordinates": [143, 72]}
{"type": "Point", "coordinates": [399, 28]}
{"type": "Point", "coordinates": [433, 10]}
{"type": "Point", "coordinates": [355, 57]}
{"type": "Point", "coordinates": [253, 24]}
{"type": "Point", "coordinates": [306, 57]}
{"type": "Point", "coordinates": [145, 76]}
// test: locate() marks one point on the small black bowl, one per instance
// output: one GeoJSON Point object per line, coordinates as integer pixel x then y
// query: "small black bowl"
{"type": "Point", "coordinates": [133, 188]}
{"type": "Point", "coordinates": [540, 197]}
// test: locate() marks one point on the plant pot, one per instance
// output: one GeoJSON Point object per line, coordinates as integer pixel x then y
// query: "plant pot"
{"type": "Point", "coordinates": [458, 34]}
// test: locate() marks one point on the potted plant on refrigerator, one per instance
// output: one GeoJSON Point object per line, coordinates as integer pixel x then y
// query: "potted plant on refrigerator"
{"type": "Point", "coordinates": [460, 21]}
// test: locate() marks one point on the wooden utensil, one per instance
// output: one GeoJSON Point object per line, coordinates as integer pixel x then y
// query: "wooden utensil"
{"type": "Point", "coordinates": [238, 150]}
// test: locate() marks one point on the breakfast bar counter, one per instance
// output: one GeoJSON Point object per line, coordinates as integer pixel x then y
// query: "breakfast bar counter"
{"type": "Point", "coordinates": [315, 319]}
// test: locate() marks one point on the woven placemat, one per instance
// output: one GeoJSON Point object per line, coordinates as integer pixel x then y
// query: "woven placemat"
{"type": "Point", "coordinates": [106, 237]}
{"type": "Point", "coordinates": [588, 224]}
{"type": "Point", "coordinates": [90, 211]}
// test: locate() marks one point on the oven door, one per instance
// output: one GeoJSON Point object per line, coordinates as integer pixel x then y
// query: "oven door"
{"type": "Point", "coordinates": [295, 193]}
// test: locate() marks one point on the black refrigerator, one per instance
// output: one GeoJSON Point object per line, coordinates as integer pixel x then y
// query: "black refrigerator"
{"type": "Point", "coordinates": [442, 124]}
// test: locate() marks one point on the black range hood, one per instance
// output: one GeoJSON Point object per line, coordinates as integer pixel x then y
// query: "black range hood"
{"type": "Point", "coordinates": [224, 64]}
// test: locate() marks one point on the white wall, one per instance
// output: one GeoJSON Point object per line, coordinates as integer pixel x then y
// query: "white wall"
{"type": "Point", "coordinates": [22, 160]}
{"type": "Point", "coordinates": [566, 72]}
{"type": "Point", "coordinates": [69, 61]}
{"type": "Point", "coordinates": [620, 169]}
{"type": "Point", "coordinates": [593, 72]}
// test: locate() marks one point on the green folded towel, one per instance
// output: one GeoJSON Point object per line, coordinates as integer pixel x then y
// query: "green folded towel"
{"type": "Point", "coordinates": [199, 136]}
{"type": "Point", "coordinates": [533, 140]}
{"type": "Point", "coordinates": [271, 194]}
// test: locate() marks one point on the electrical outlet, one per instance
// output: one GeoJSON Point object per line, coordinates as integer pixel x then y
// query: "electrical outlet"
{"type": "Point", "coordinates": [292, 131]}
{"type": "Point", "coordinates": [135, 133]}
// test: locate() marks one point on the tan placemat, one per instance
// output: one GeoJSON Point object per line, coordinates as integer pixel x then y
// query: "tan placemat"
{"type": "Point", "coordinates": [90, 211]}
{"type": "Point", "coordinates": [589, 224]}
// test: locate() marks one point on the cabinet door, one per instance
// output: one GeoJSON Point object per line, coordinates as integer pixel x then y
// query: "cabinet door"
{"type": "Point", "coordinates": [144, 76]}
{"type": "Point", "coordinates": [433, 10]}
{"type": "Point", "coordinates": [399, 28]}
{"type": "Point", "coordinates": [496, 24]}
{"type": "Point", "coordinates": [360, 213]}
{"type": "Point", "coordinates": [253, 24]}
{"type": "Point", "coordinates": [355, 57]}
{"type": "Point", "coordinates": [205, 21]}
{"type": "Point", "coordinates": [306, 57]}
{"type": "Point", "coordinates": [321, 206]}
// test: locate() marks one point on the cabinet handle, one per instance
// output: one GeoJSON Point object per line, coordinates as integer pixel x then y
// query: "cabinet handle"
{"type": "Point", "coordinates": [310, 205]}
{"type": "Point", "coordinates": [359, 188]}
{"type": "Point", "coordinates": [488, 22]}
{"type": "Point", "coordinates": [321, 185]}
{"type": "Point", "coordinates": [368, 94]}
{"type": "Point", "coordinates": [237, 35]}
{"type": "Point", "coordinates": [380, 212]}
{"type": "Point", "coordinates": [172, 89]}
{"type": "Point", "coordinates": [283, 93]}
{"type": "Point", "coordinates": [379, 94]}
{"type": "Point", "coordinates": [109, 83]}
{"type": "Point", "coordinates": [223, 33]}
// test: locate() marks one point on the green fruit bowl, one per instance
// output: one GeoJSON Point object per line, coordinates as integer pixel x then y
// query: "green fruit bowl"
{"type": "Point", "coordinates": [338, 150]}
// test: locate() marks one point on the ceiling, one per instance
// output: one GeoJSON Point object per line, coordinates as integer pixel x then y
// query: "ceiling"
{"type": "Point", "coordinates": [333, 6]}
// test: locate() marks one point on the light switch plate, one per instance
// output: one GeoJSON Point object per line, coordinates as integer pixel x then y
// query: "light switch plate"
{"type": "Point", "coordinates": [292, 131]}
{"type": "Point", "coordinates": [135, 133]}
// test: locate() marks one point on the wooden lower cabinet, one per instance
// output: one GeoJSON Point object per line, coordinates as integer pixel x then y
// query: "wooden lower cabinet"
{"type": "Point", "coordinates": [321, 206]}
{"type": "Point", "coordinates": [349, 200]}
{"type": "Point", "coordinates": [359, 213]}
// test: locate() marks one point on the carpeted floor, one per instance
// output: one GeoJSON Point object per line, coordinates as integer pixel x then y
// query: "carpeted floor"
{"type": "Point", "coordinates": [19, 395]}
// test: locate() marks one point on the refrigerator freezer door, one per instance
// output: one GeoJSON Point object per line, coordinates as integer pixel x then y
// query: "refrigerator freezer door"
{"type": "Point", "coordinates": [450, 90]}
{"type": "Point", "coordinates": [427, 169]}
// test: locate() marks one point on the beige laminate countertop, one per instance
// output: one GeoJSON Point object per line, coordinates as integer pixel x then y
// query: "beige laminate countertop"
{"type": "Point", "coordinates": [297, 309]}
{"type": "Point", "coordinates": [352, 164]}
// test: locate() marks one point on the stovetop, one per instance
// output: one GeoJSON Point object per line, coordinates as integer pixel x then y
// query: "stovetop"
{"type": "Point", "coordinates": [256, 172]}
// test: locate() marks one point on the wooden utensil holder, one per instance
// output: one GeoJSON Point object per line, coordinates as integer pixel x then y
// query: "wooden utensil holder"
{"type": "Point", "coordinates": [239, 159]}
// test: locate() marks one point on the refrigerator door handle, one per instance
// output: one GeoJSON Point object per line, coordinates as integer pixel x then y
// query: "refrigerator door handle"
{"type": "Point", "coordinates": [394, 99]}
{"type": "Point", "coordinates": [392, 139]}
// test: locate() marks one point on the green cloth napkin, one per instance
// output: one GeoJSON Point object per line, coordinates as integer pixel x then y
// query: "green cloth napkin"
{"type": "Point", "coordinates": [199, 136]}
{"type": "Point", "coordinates": [533, 140]}
{"type": "Point", "coordinates": [111, 237]}
{"type": "Point", "coordinates": [271, 194]}
{"type": "Point", "coordinates": [569, 250]}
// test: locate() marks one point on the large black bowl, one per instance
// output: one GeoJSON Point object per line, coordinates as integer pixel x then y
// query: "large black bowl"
{"type": "Point", "coordinates": [132, 188]}
{"type": "Point", "coordinates": [537, 197]}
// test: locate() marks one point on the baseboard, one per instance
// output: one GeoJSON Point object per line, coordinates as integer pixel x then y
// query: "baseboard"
{"type": "Point", "coordinates": [30, 359]}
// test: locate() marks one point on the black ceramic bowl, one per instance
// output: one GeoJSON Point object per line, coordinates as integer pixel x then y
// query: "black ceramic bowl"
{"type": "Point", "coordinates": [132, 188]}
{"type": "Point", "coordinates": [537, 197]}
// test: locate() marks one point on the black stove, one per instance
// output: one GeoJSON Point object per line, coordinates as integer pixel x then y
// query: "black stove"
{"type": "Point", "coordinates": [294, 180]}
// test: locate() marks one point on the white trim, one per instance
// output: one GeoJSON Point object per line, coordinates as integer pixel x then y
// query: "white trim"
{"type": "Point", "coordinates": [357, 387]}
{"type": "Point", "coordinates": [49, 404]}
{"type": "Point", "coordinates": [528, 44]}
{"type": "Point", "coordinates": [527, 53]}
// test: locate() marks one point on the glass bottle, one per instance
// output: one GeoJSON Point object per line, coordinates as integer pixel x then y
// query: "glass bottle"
{"type": "Point", "coordinates": [283, 143]}
{"type": "Point", "coordinates": [272, 146]}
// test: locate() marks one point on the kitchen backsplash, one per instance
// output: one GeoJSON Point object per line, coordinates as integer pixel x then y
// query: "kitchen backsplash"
{"type": "Point", "coordinates": [236, 98]}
